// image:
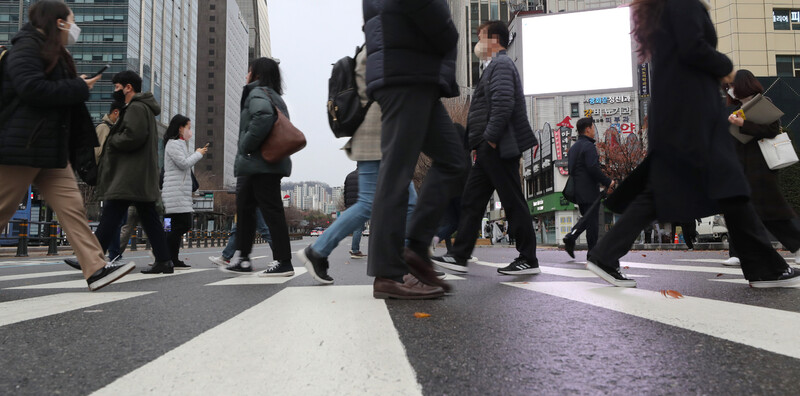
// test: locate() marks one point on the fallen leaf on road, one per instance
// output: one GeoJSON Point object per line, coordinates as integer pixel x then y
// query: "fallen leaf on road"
{"type": "Point", "coordinates": [644, 255]}
{"type": "Point", "coordinates": [718, 275]}
{"type": "Point", "coordinates": [671, 293]}
{"type": "Point", "coordinates": [626, 267]}
{"type": "Point", "coordinates": [421, 315]}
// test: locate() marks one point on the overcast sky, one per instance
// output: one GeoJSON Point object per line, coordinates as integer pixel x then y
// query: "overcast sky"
{"type": "Point", "coordinates": [307, 37]}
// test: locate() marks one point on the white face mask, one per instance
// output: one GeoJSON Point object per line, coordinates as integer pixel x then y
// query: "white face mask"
{"type": "Point", "coordinates": [481, 50]}
{"type": "Point", "coordinates": [187, 134]}
{"type": "Point", "coordinates": [730, 93]}
{"type": "Point", "coordinates": [74, 32]}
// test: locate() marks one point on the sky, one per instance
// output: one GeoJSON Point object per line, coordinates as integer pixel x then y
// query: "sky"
{"type": "Point", "coordinates": [308, 37]}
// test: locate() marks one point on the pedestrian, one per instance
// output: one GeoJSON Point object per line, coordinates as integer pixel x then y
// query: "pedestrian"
{"type": "Point", "coordinates": [499, 132]}
{"type": "Point", "coordinates": [176, 194]}
{"type": "Point", "coordinates": [452, 215]}
{"type": "Point", "coordinates": [258, 182]}
{"type": "Point", "coordinates": [697, 164]}
{"type": "Point", "coordinates": [587, 177]}
{"type": "Point", "coordinates": [411, 63]}
{"type": "Point", "coordinates": [689, 231]}
{"type": "Point", "coordinates": [773, 210]}
{"type": "Point", "coordinates": [230, 248]}
{"type": "Point", "coordinates": [43, 123]}
{"type": "Point", "coordinates": [364, 148]}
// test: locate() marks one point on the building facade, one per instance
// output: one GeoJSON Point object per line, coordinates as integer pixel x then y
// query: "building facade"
{"type": "Point", "coordinates": [257, 17]}
{"type": "Point", "coordinates": [223, 45]}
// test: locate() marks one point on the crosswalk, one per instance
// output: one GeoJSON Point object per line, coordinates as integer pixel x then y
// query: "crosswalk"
{"type": "Point", "coordinates": [325, 333]}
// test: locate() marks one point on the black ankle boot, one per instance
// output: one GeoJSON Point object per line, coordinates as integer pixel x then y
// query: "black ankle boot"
{"type": "Point", "coordinates": [160, 267]}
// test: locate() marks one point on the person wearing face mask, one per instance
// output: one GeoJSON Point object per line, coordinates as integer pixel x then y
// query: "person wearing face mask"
{"type": "Point", "coordinates": [772, 208]}
{"type": "Point", "coordinates": [43, 124]}
{"type": "Point", "coordinates": [499, 132]}
{"type": "Point", "coordinates": [176, 193]}
{"type": "Point", "coordinates": [104, 127]}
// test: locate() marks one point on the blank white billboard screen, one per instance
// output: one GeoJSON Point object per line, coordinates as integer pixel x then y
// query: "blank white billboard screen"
{"type": "Point", "coordinates": [581, 51]}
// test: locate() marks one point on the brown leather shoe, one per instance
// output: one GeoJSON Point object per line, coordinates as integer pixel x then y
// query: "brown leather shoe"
{"type": "Point", "coordinates": [410, 289]}
{"type": "Point", "coordinates": [422, 268]}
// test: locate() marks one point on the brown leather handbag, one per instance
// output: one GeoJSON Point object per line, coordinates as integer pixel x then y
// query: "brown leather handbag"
{"type": "Point", "coordinates": [284, 139]}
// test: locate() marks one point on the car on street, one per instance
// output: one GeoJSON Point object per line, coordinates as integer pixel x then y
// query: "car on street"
{"type": "Point", "coordinates": [317, 231]}
{"type": "Point", "coordinates": [712, 229]}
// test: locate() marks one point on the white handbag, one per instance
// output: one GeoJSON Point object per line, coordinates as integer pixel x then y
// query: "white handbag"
{"type": "Point", "coordinates": [778, 151]}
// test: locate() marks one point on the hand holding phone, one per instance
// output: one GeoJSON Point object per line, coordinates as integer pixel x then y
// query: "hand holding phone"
{"type": "Point", "coordinates": [102, 69]}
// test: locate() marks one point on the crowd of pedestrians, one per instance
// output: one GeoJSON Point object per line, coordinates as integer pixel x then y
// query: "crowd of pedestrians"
{"type": "Point", "coordinates": [406, 67]}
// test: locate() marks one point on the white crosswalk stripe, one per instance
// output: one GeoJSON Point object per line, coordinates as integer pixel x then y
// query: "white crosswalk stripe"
{"type": "Point", "coordinates": [81, 283]}
{"type": "Point", "coordinates": [39, 307]}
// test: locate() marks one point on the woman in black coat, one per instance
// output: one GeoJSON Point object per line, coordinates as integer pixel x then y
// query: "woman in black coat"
{"type": "Point", "coordinates": [771, 206]}
{"type": "Point", "coordinates": [45, 131]}
{"type": "Point", "coordinates": [692, 170]}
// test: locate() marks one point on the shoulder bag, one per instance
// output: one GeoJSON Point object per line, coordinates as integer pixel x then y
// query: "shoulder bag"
{"type": "Point", "coordinates": [284, 139]}
{"type": "Point", "coordinates": [778, 151]}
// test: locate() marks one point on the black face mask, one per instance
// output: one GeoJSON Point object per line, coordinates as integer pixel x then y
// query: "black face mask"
{"type": "Point", "coordinates": [119, 96]}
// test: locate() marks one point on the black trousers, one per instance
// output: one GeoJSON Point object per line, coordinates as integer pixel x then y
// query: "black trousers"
{"type": "Point", "coordinates": [115, 210]}
{"type": "Point", "coordinates": [180, 224]}
{"type": "Point", "coordinates": [414, 120]}
{"type": "Point", "coordinates": [759, 260]}
{"type": "Point", "coordinates": [490, 173]}
{"type": "Point", "coordinates": [262, 191]}
{"type": "Point", "coordinates": [589, 222]}
{"type": "Point", "coordinates": [452, 217]}
{"type": "Point", "coordinates": [785, 231]}
{"type": "Point", "coordinates": [689, 232]}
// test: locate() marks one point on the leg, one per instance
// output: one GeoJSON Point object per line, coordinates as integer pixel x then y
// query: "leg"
{"type": "Point", "coordinates": [181, 223]}
{"type": "Point", "coordinates": [128, 229]}
{"type": "Point", "coordinates": [753, 248]}
{"type": "Point", "coordinates": [356, 215]}
{"type": "Point", "coordinates": [477, 192]}
{"type": "Point", "coordinates": [355, 247]}
{"type": "Point", "coordinates": [617, 241]}
{"type": "Point", "coordinates": [245, 207]}
{"type": "Point", "coordinates": [267, 193]}
{"type": "Point", "coordinates": [154, 228]}
{"type": "Point", "coordinates": [261, 227]}
{"type": "Point", "coordinates": [230, 248]}
{"type": "Point", "coordinates": [61, 191]}
{"type": "Point", "coordinates": [113, 213]}
{"type": "Point", "coordinates": [114, 248]}
{"type": "Point", "coordinates": [14, 182]}
{"type": "Point", "coordinates": [787, 232]}
{"type": "Point", "coordinates": [592, 225]}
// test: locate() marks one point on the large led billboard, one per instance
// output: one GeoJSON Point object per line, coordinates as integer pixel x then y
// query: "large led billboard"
{"type": "Point", "coordinates": [577, 52]}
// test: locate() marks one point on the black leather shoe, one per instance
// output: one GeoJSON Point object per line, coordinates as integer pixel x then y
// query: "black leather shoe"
{"type": "Point", "coordinates": [73, 263]}
{"type": "Point", "coordinates": [160, 267]}
{"type": "Point", "coordinates": [569, 245]}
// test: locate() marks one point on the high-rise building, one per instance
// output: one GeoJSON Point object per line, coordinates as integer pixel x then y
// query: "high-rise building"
{"type": "Point", "coordinates": [257, 16]}
{"type": "Point", "coordinates": [223, 46]}
{"type": "Point", "coordinates": [156, 39]}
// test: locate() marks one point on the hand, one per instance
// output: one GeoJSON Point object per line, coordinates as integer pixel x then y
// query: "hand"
{"type": "Point", "coordinates": [202, 150]}
{"type": "Point", "coordinates": [91, 81]}
{"type": "Point", "coordinates": [611, 187]}
{"type": "Point", "coordinates": [729, 78]}
{"type": "Point", "coordinates": [494, 145]}
{"type": "Point", "coordinates": [735, 120]}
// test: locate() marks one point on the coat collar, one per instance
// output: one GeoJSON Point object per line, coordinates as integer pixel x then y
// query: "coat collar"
{"type": "Point", "coordinates": [586, 137]}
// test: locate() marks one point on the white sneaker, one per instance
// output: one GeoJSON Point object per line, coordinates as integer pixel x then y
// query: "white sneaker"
{"type": "Point", "coordinates": [732, 262]}
{"type": "Point", "coordinates": [219, 260]}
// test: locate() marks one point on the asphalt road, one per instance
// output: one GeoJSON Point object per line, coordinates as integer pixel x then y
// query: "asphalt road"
{"type": "Point", "coordinates": [561, 332]}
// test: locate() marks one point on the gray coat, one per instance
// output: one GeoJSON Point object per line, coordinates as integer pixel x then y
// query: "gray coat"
{"type": "Point", "coordinates": [255, 125]}
{"type": "Point", "coordinates": [177, 191]}
{"type": "Point", "coordinates": [497, 112]}
{"type": "Point", "coordinates": [365, 145]}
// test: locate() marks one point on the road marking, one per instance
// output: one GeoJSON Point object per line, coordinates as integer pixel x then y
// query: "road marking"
{"type": "Point", "coordinates": [254, 279]}
{"type": "Point", "coordinates": [765, 328]}
{"type": "Point", "coordinates": [568, 272]}
{"type": "Point", "coordinates": [132, 277]}
{"type": "Point", "coordinates": [333, 340]}
{"type": "Point", "coordinates": [28, 263]}
{"type": "Point", "coordinates": [36, 275]}
{"type": "Point", "coordinates": [39, 307]}
{"type": "Point", "coordinates": [687, 268]}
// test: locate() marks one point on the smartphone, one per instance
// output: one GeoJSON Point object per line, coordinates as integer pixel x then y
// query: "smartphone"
{"type": "Point", "coordinates": [99, 72]}
{"type": "Point", "coordinates": [208, 145]}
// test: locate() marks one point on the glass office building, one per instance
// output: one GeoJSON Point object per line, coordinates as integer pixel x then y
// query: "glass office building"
{"type": "Point", "coordinates": [155, 38]}
{"type": "Point", "coordinates": [257, 18]}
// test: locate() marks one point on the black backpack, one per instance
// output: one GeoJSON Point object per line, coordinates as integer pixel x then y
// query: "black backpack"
{"type": "Point", "coordinates": [345, 113]}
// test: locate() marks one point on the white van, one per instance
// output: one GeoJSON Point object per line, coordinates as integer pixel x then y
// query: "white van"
{"type": "Point", "coordinates": [712, 229]}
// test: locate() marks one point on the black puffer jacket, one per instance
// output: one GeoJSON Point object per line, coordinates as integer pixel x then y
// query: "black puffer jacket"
{"type": "Point", "coordinates": [497, 113]}
{"type": "Point", "coordinates": [50, 123]}
{"type": "Point", "coordinates": [410, 42]}
{"type": "Point", "coordinates": [351, 189]}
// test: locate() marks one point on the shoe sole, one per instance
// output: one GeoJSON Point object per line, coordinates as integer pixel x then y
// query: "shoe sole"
{"type": "Point", "coordinates": [357, 257]}
{"type": "Point", "coordinates": [595, 269]}
{"type": "Point", "coordinates": [227, 271]}
{"type": "Point", "coordinates": [452, 267]}
{"type": "Point", "coordinates": [731, 264]}
{"type": "Point", "coordinates": [529, 271]}
{"type": "Point", "coordinates": [278, 275]}
{"type": "Point", "coordinates": [310, 268]}
{"type": "Point", "coordinates": [218, 262]}
{"type": "Point", "coordinates": [182, 268]}
{"type": "Point", "coordinates": [112, 277]}
{"type": "Point", "coordinates": [776, 283]}
{"type": "Point", "coordinates": [387, 296]}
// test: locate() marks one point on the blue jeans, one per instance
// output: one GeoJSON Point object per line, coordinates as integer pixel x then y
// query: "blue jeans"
{"type": "Point", "coordinates": [356, 246]}
{"type": "Point", "coordinates": [358, 214]}
{"type": "Point", "coordinates": [261, 228]}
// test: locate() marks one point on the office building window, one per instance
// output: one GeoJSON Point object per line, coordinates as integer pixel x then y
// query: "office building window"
{"type": "Point", "coordinates": [210, 109]}
{"type": "Point", "coordinates": [210, 132]}
{"type": "Point", "coordinates": [210, 97]}
{"type": "Point", "coordinates": [212, 18]}
{"type": "Point", "coordinates": [212, 7]}
{"type": "Point", "coordinates": [786, 19]}
{"type": "Point", "coordinates": [209, 156]}
{"type": "Point", "coordinates": [210, 120]}
{"type": "Point", "coordinates": [212, 40]}
{"type": "Point", "coordinates": [211, 63]}
{"type": "Point", "coordinates": [787, 65]}
{"type": "Point", "coordinates": [210, 86]}
{"type": "Point", "coordinates": [209, 167]}
{"type": "Point", "coordinates": [211, 75]}
{"type": "Point", "coordinates": [211, 52]}
{"type": "Point", "coordinates": [573, 109]}
{"type": "Point", "coordinates": [212, 29]}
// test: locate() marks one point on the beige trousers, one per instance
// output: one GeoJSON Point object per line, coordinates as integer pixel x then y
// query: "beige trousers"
{"type": "Point", "coordinates": [59, 188]}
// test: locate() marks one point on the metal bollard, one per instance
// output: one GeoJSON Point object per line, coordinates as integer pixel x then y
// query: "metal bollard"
{"type": "Point", "coordinates": [189, 238]}
{"type": "Point", "coordinates": [134, 239]}
{"type": "Point", "coordinates": [22, 246]}
{"type": "Point", "coordinates": [147, 243]}
{"type": "Point", "coordinates": [52, 250]}
{"type": "Point", "coordinates": [205, 239]}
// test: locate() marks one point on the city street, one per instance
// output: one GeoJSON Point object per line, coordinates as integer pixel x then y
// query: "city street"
{"type": "Point", "coordinates": [561, 332]}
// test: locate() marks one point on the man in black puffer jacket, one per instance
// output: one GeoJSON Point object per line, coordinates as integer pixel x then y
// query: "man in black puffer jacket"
{"type": "Point", "coordinates": [411, 58]}
{"type": "Point", "coordinates": [499, 132]}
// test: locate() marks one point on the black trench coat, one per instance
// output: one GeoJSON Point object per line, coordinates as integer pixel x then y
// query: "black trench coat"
{"type": "Point", "coordinates": [693, 162]}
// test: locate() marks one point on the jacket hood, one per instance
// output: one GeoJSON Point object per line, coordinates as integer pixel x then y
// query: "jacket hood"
{"type": "Point", "coordinates": [27, 31]}
{"type": "Point", "coordinates": [148, 99]}
{"type": "Point", "coordinates": [107, 119]}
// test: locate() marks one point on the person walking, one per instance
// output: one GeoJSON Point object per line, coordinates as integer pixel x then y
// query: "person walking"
{"type": "Point", "coordinates": [411, 62]}
{"type": "Point", "coordinates": [499, 132]}
{"type": "Point", "coordinates": [364, 148]}
{"type": "Point", "coordinates": [230, 248]}
{"type": "Point", "coordinates": [584, 169]}
{"type": "Point", "coordinates": [775, 213]}
{"type": "Point", "coordinates": [176, 193]}
{"type": "Point", "coordinates": [697, 164]}
{"type": "Point", "coordinates": [102, 130]}
{"type": "Point", "coordinates": [452, 215]}
{"type": "Point", "coordinates": [258, 183]}
{"type": "Point", "coordinates": [44, 123]}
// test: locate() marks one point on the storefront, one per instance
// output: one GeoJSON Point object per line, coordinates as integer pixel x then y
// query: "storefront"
{"type": "Point", "coordinates": [553, 217]}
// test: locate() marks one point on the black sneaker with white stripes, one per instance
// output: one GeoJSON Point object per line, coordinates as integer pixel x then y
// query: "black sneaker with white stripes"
{"type": "Point", "coordinates": [278, 269]}
{"type": "Point", "coordinates": [450, 262]}
{"type": "Point", "coordinates": [243, 267]}
{"type": "Point", "coordinates": [610, 275]}
{"type": "Point", "coordinates": [520, 266]}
